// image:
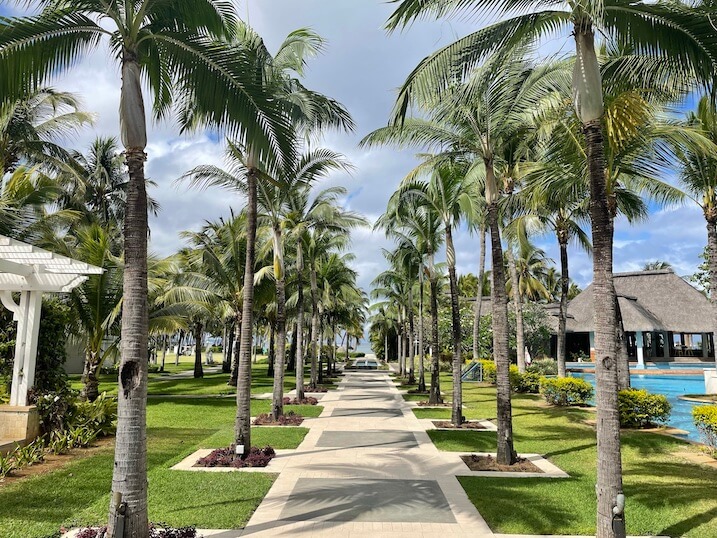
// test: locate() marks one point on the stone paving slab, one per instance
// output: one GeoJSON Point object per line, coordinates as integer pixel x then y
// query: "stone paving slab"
{"type": "Point", "coordinates": [376, 412]}
{"type": "Point", "coordinates": [364, 439]}
{"type": "Point", "coordinates": [410, 501]}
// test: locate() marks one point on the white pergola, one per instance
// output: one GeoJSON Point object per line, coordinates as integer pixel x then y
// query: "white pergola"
{"type": "Point", "coordinates": [32, 271]}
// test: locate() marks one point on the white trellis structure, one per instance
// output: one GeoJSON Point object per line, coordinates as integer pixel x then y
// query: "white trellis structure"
{"type": "Point", "coordinates": [32, 271]}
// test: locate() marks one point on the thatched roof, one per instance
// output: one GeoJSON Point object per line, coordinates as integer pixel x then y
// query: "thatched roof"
{"type": "Point", "coordinates": [649, 301]}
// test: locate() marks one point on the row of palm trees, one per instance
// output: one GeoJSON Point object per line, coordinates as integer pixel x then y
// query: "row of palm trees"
{"type": "Point", "coordinates": [207, 69]}
{"type": "Point", "coordinates": [556, 143]}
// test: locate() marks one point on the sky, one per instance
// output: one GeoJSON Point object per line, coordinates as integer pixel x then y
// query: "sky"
{"type": "Point", "coordinates": [361, 67]}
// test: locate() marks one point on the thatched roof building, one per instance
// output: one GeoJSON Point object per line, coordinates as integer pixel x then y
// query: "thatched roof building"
{"type": "Point", "coordinates": [649, 301]}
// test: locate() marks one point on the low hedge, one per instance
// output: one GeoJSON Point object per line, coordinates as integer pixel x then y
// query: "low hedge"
{"type": "Point", "coordinates": [527, 382]}
{"type": "Point", "coordinates": [543, 367]}
{"type": "Point", "coordinates": [640, 409]}
{"type": "Point", "coordinates": [705, 417]}
{"type": "Point", "coordinates": [566, 390]}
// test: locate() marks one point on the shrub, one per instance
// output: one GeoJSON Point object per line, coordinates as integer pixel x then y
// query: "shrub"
{"type": "Point", "coordinates": [543, 367]}
{"type": "Point", "coordinates": [640, 409]}
{"type": "Point", "coordinates": [565, 390]}
{"type": "Point", "coordinates": [529, 382]}
{"type": "Point", "coordinates": [7, 465]}
{"type": "Point", "coordinates": [489, 371]}
{"type": "Point", "coordinates": [357, 354]}
{"type": "Point", "coordinates": [27, 455]}
{"type": "Point", "coordinates": [55, 409]}
{"type": "Point", "coordinates": [98, 416]}
{"type": "Point", "coordinates": [705, 417]}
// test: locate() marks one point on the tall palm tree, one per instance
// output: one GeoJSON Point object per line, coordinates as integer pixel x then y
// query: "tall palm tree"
{"type": "Point", "coordinates": [308, 211]}
{"type": "Point", "coordinates": [174, 47]}
{"type": "Point", "coordinates": [679, 32]}
{"type": "Point", "coordinates": [698, 176]}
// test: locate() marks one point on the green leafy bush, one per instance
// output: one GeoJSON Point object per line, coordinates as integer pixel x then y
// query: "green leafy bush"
{"type": "Point", "coordinates": [489, 371]}
{"type": "Point", "coordinates": [529, 382]}
{"type": "Point", "coordinates": [705, 417]}
{"type": "Point", "coordinates": [565, 390]}
{"type": "Point", "coordinates": [55, 409]}
{"type": "Point", "coordinates": [543, 367]}
{"type": "Point", "coordinates": [98, 416]}
{"type": "Point", "coordinates": [357, 354]}
{"type": "Point", "coordinates": [640, 409]}
{"type": "Point", "coordinates": [7, 465]}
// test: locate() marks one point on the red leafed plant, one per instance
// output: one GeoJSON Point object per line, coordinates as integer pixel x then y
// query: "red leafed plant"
{"type": "Point", "coordinates": [288, 419]}
{"type": "Point", "coordinates": [227, 457]}
{"type": "Point", "coordinates": [309, 400]}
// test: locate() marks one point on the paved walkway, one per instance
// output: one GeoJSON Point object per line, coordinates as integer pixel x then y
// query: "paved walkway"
{"type": "Point", "coordinates": [366, 468]}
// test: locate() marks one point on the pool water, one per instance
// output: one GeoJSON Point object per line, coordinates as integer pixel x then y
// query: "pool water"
{"type": "Point", "coordinates": [671, 386]}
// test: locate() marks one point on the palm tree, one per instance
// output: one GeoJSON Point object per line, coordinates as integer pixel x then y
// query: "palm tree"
{"type": "Point", "coordinates": [679, 32]}
{"type": "Point", "coordinates": [24, 198]}
{"type": "Point", "coordinates": [173, 47]}
{"type": "Point", "coordinates": [308, 211]}
{"type": "Point", "coordinates": [656, 265]}
{"type": "Point", "coordinates": [29, 126]}
{"type": "Point", "coordinates": [698, 176]}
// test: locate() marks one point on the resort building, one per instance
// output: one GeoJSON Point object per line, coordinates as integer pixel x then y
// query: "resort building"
{"type": "Point", "coordinates": [664, 318]}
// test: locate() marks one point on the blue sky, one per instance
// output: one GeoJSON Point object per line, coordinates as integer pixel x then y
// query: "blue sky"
{"type": "Point", "coordinates": [361, 67]}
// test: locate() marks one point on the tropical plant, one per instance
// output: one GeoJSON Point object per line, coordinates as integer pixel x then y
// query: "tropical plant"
{"type": "Point", "coordinates": [174, 47]}
{"type": "Point", "coordinates": [680, 33]}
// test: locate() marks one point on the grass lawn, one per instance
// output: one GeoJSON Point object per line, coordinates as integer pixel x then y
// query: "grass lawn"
{"type": "Point", "coordinates": [666, 494]}
{"type": "Point", "coordinates": [78, 493]}
{"type": "Point", "coordinates": [212, 384]}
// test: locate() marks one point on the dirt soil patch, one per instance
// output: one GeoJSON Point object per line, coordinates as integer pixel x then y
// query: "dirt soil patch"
{"type": "Point", "coordinates": [424, 403]}
{"type": "Point", "coordinates": [53, 462]}
{"type": "Point", "coordinates": [489, 463]}
{"type": "Point", "coordinates": [288, 419]}
{"type": "Point", "coordinates": [446, 424]}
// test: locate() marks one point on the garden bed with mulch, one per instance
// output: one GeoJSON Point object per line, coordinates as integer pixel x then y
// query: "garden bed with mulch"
{"type": "Point", "coordinates": [155, 531]}
{"type": "Point", "coordinates": [287, 419]}
{"type": "Point", "coordinates": [489, 463]}
{"type": "Point", "coordinates": [308, 400]}
{"type": "Point", "coordinates": [426, 403]}
{"type": "Point", "coordinates": [468, 425]}
{"type": "Point", "coordinates": [227, 457]}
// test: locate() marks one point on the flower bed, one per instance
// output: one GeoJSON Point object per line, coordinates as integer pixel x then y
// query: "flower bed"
{"type": "Point", "coordinates": [288, 419]}
{"type": "Point", "coordinates": [155, 531]}
{"type": "Point", "coordinates": [227, 457]}
{"type": "Point", "coordinates": [308, 400]}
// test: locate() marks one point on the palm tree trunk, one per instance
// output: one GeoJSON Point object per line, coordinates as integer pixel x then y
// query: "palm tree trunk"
{"type": "Point", "coordinates": [506, 451]}
{"type": "Point", "coordinates": [479, 297]}
{"type": "Point", "coordinates": [90, 384]}
{"type": "Point", "coordinates": [320, 365]}
{"type": "Point", "coordinates": [300, 323]}
{"type": "Point", "coordinates": [712, 265]}
{"type": "Point", "coordinates": [315, 342]}
{"type": "Point", "coordinates": [237, 354]}
{"type": "Point", "coordinates": [229, 347]}
{"type": "Point", "coordinates": [385, 346]}
{"type": "Point", "coordinates": [401, 370]}
{"type": "Point", "coordinates": [563, 312]}
{"type": "Point", "coordinates": [165, 344]}
{"type": "Point", "coordinates": [242, 425]}
{"type": "Point", "coordinates": [411, 340]}
{"type": "Point", "coordinates": [179, 348]}
{"type": "Point", "coordinates": [129, 476]}
{"type": "Point", "coordinates": [623, 359]}
{"type": "Point", "coordinates": [518, 306]}
{"type": "Point", "coordinates": [291, 355]}
{"type": "Point", "coordinates": [457, 412]}
{"type": "Point", "coordinates": [271, 358]}
{"type": "Point", "coordinates": [278, 404]}
{"type": "Point", "coordinates": [587, 86]}
{"type": "Point", "coordinates": [198, 370]}
{"type": "Point", "coordinates": [434, 398]}
{"type": "Point", "coordinates": [421, 346]}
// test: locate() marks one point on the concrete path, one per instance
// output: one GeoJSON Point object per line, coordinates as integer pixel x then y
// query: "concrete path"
{"type": "Point", "coordinates": [366, 468]}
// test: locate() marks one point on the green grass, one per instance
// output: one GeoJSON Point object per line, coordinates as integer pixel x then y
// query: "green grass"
{"type": "Point", "coordinates": [212, 384]}
{"type": "Point", "coordinates": [666, 495]}
{"type": "Point", "coordinates": [78, 493]}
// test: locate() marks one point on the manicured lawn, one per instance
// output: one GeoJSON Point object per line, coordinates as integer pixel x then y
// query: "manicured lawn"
{"type": "Point", "coordinates": [212, 384]}
{"type": "Point", "coordinates": [78, 493]}
{"type": "Point", "coordinates": [666, 494]}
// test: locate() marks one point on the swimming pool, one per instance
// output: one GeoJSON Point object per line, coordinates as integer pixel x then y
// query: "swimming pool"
{"type": "Point", "coordinates": [671, 386]}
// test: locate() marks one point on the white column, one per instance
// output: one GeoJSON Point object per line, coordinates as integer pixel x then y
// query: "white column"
{"type": "Point", "coordinates": [28, 327]}
{"type": "Point", "coordinates": [640, 353]}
